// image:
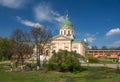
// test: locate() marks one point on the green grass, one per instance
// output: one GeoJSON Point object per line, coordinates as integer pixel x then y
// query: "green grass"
{"type": "Point", "coordinates": [92, 74]}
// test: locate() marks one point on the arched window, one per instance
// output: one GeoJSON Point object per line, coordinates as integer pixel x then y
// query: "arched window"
{"type": "Point", "coordinates": [40, 51]}
{"type": "Point", "coordinates": [64, 32]}
{"type": "Point", "coordinates": [72, 32]}
{"type": "Point", "coordinates": [46, 52]}
{"type": "Point", "coordinates": [75, 51]}
{"type": "Point", "coordinates": [68, 32]}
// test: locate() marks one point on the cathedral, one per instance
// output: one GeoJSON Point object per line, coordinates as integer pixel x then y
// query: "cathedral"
{"type": "Point", "coordinates": [66, 39]}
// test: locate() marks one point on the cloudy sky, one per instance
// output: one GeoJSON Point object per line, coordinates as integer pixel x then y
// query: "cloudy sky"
{"type": "Point", "coordinates": [96, 20]}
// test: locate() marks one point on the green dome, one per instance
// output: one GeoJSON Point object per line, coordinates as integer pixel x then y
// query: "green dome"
{"type": "Point", "coordinates": [67, 23]}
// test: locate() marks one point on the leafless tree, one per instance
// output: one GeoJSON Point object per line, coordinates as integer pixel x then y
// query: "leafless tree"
{"type": "Point", "coordinates": [41, 37]}
{"type": "Point", "coordinates": [21, 44]}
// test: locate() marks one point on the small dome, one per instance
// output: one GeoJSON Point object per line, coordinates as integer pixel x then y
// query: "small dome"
{"type": "Point", "coordinates": [67, 23]}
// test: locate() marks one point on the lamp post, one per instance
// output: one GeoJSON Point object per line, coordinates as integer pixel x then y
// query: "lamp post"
{"type": "Point", "coordinates": [38, 58]}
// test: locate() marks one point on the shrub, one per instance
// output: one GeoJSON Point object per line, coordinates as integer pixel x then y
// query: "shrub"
{"type": "Point", "coordinates": [44, 63]}
{"type": "Point", "coordinates": [3, 58]}
{"type": "Point", "coordinates": [64, 61]}
{"type": "Point", "coordinates": [92, 59]}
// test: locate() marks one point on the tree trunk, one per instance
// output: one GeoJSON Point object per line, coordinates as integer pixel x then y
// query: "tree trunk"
{"type": "Point", "coordinates": [22, 59]}
{"type": "Point", "coordinates": [17, 61]}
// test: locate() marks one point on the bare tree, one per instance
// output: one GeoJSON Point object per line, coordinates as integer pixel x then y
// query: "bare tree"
{"type": "Point", "coordinates": [21, 44]}
{"type": "Point", "coordinates": [41, 38]}
{"type": "Point", "coordinates": [94, 48]}
{"type": "Point", "coordinates": [104, 48]}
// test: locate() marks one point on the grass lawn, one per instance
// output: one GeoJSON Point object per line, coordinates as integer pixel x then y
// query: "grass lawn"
{"type": "Point", "coordinates": [92, 74]}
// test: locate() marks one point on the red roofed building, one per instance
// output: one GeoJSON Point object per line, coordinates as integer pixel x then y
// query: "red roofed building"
{"type": "Point", "coordinates": [105, 53]}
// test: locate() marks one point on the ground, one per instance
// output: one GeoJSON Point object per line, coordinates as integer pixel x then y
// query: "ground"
{"type": "Point", "coordinates": [91, 74]}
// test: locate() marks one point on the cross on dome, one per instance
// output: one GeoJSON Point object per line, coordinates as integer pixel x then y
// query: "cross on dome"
{"type": "Point", "coordinates": [67, 16]}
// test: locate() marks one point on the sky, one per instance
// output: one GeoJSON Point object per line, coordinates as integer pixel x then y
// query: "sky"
{"type": "Point", "coordinates": [97, 21]}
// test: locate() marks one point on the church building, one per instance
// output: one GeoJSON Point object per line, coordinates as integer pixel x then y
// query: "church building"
{"type": "Point", "coordinates": [66, 39]}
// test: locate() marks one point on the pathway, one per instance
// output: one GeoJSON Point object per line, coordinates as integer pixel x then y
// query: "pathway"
{"type": "Point", "coordinates": [102, 65]}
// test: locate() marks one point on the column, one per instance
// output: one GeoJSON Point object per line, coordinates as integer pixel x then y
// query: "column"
{"type": "Point", "coordinates": [57, 46]}
{"type": "Point", "coordinates": [69, 46]}
{"type": "Point", "coordinates": [51, 49]}
{"type": "Point", "coordinates": [79, 49]}
{"type": "Point", "coordinates": [63, 46]}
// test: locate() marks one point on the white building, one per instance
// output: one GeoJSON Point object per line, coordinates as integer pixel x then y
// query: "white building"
{"type": "Point", "coordinates": [65, 40]}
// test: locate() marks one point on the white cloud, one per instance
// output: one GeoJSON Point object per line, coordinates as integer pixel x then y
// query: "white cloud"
{"type": "Point", "coordinates": [29, 23]}
{"type": "Point", "coordinates": [59, 19]}
{"type": "Point", "coordinates": [13, 3]}
{"type": "Point", "coordinates": [116, 44]}
{"type": "Point", "coordinates": [44, 12]}
{"type": "Point", "coordinates": [90, 37]}
{"type": "Point", "coordinates": [113, 32]}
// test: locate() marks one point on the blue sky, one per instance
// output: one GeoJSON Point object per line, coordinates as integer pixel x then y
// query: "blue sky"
{"type": "Point", "coordinates": [96, 20]}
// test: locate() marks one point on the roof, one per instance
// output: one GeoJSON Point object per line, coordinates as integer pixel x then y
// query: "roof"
{"type": "Point", "coordinates": [77, 40]}
{"type": "Point", "coordinates": [106, 50]}
{"type": "Point", "coordinates": [67, 23]}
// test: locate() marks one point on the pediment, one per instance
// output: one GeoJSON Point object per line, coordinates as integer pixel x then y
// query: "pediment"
{"type": "Point", "coordinates": [60, 37]}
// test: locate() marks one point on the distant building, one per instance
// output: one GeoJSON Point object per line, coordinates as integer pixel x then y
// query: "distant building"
{"type": "Point", "coordinates": [104, 53]}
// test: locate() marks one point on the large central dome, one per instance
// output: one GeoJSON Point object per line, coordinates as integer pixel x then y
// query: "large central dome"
{"type": "Point", "coordinates": [67, 23]}
{"type": "Point", "coordinates": [67, 28]}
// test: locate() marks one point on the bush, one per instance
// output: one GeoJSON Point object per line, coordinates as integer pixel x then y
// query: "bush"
{"type": "Point", "coordinates": [92, 59]}
{"type": "Point", "coordinates": [64, 61]}
{"type": "Point", "coordinates": [3, 58]}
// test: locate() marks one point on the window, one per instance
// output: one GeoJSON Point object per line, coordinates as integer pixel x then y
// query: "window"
{"type": "Point", "coordinates": [40, 51]}
{"type": "Point", "coordinates": [53, 51]}
{"type": "Point", "coordinates": [72, 32]}
{"type": "Point", "coordinates": [75, 51]}
{"type": "Point", "coordinates": [61, 32]}
{"type": "Point", "coordinates": [68, 32]}
{"type": "Point", "coordinates": [64, 32]}
{"type": "Point", "coordinates": [46, 52]}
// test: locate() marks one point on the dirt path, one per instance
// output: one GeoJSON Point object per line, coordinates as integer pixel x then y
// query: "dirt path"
{"type": "Point", "coordinates": [102, 65]}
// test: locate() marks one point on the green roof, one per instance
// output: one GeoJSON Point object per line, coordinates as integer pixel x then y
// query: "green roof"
{"type": "Point", "coordinates": [76, 40]}
{"type": "Point", "coordinates": [67, 22]}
